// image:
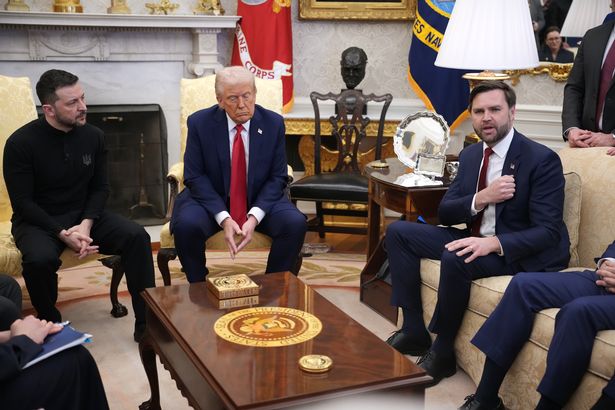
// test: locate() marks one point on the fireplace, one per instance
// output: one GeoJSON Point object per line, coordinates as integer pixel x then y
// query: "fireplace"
{"type": "Point", "coordinates": [136, 140]}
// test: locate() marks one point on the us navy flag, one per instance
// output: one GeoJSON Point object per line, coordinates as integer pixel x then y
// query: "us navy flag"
{"type": "Point", "coordinates": [442, 90]}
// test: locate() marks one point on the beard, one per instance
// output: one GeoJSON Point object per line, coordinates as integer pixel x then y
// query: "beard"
{"type": "Point", "coordinates": [78, 121]}
{"type": "Point", "coordinates": [500, 133]}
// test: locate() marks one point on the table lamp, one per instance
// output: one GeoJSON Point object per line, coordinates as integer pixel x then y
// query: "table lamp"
{"type": "Point", "coordinates": [583, 15]}
{"type": "Point", "coordinates": [488, 35]}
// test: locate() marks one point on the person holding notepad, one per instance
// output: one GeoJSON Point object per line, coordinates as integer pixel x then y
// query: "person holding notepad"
{"type": "Point", "coordinates": [67, 380]}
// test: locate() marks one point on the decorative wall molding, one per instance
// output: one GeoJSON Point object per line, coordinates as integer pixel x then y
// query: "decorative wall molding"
{"type": "Point", "coordinates": [88, 46]}
{"type": "Point", "coordinates": [106, 37]}
{"type": "Point", "coordinates": [116, 21]}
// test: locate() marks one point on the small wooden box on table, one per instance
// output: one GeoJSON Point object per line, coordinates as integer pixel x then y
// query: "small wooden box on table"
{"type": "Point", "coordinates": [214, 373]}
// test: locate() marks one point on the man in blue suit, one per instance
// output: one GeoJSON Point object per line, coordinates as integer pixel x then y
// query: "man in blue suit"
{"type": "Point", "coordinates": [587, 303]}
{"type": "Point", "coordinates": [509, 192]}
{"type": "Point", "coordinates": [235, 174]}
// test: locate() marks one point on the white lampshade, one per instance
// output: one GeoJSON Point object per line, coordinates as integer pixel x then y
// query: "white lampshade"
{"type": "Point", "coordinates": [583, 15]}
{"type": "Point", "coordinates": [489, 35]}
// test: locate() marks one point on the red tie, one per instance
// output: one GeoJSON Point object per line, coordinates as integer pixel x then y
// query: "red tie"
{"type": "Point", "coordinates": [482, 184]}
{"type": "Point", "coordinates": [239, 201]}
{"type": "Point", "coordinates": [606, 75]}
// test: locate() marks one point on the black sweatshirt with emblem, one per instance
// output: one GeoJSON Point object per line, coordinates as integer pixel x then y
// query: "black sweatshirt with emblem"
{"type": "Point", "coordinates": [49, 173]}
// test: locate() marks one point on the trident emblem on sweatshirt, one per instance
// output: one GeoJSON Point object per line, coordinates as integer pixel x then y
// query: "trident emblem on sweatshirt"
{"type": "Point", "coordinates": [87, 159]}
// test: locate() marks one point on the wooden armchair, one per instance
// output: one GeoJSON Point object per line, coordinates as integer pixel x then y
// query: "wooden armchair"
{"type": "Point", "coordinates": [196, 94]}
{"type": "Point", "coordinates": [344, 183]}
{"type": "Point", "coordinates": [16, 109]}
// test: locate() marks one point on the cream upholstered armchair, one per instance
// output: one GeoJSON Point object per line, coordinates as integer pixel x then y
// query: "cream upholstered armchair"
{"type": "Point", "coordinates": [16, 109]}
{"type": "Point", "coordinates": [196, 94]}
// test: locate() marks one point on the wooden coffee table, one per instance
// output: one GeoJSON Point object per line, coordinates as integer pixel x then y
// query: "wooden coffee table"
{"type": "Point", "coordinates": [213, 373]}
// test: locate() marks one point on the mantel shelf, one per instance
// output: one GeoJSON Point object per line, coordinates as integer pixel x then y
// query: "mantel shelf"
{"type": "Point", "coordinates": [15, 18]}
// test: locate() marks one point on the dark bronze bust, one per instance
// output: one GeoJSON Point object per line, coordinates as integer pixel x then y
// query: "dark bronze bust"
{"type": "Point", "coordinates": [353, 65]}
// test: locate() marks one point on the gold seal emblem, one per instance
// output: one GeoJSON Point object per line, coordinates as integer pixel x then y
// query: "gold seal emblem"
{"type": "Point", "coordinates": [268, 326]}
{"type": "Point", "coordinates": [315, 363]}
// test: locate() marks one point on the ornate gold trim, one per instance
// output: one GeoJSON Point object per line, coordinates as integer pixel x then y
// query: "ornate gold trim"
{"type": "Point", "coordinates": [328, 158]}
{"type": "Point", "coordinates": [357, 10]}
{"type": "Point", "coordinates": [305, 126]}
{"type": "Point", "coordinates": [558, 72]}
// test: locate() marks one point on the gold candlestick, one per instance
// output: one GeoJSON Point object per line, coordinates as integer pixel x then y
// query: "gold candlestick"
{"type": "Point", "coordinates": [118, 7]}
{"type": "Point", "coordinates": [67, 6]}
{"type": "Point", "coordinates": [209, 7]}
{"type": "Point", "coordinates": [16, 5]}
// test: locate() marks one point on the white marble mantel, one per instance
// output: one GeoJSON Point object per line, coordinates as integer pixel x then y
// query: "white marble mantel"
{"type": "Point", "coordinates": [54, 36]}
{"type": "Point", "coordinates": [126, 21]}
{"type": "Point", "coordinates": [120, 59]}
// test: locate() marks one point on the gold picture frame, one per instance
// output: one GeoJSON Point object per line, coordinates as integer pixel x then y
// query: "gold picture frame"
{"type": "Point", "coordinates": [357, 10]}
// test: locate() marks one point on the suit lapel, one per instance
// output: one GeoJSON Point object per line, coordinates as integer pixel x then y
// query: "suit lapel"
{"type": "Point", "coordinates": [595, 52]}
{"type": "Point", "coordinates": [474, 166]}
{"type": "Point", "coordinates": [221, 141]}
{"type": "Point", "coordinates": [256, 142]}
{"type": "Point", "coordinates": [511, 165]}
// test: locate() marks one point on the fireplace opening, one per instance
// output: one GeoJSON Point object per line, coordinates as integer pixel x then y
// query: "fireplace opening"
{"type": "Point", "coordinates": [136, 140]}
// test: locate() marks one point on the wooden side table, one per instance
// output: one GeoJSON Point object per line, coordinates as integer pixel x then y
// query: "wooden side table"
{"type": "Point", "coordinates": [408, 201]}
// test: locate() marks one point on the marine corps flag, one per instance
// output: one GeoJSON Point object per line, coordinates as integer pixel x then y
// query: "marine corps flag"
{"type": "Point", "coordinates": [442, 90]}
{"type": "Point", "coordinates": [264, 42]}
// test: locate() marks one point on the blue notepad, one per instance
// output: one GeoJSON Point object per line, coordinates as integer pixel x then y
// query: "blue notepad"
{"type": "Point", "coordinates": [64, 339]}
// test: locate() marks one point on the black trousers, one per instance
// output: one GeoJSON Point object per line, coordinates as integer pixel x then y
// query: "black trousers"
{"type": "Point", "coordinates": [68, 380]}
{"type": "Point", "coordinates": [10, 301]}
{"type": "Point", "coordinates": [114, 234]}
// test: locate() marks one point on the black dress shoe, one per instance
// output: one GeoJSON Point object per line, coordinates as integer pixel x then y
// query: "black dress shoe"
{"type": "Point", "coordinates": [437, 366]}
{"type": "Point", "coordinates": [473, 404]}
{"type": "Point", "coordinates": [405, 344]}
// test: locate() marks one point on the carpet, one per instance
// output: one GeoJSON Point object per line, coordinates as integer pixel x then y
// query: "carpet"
{"type": "Point", "coordinates": [325, 269]}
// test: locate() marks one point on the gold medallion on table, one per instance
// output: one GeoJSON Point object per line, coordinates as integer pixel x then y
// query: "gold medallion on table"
{"type": "Point", "coordinates": [268, 326]}
{"type": "Point", "coordinates": [315, 363]}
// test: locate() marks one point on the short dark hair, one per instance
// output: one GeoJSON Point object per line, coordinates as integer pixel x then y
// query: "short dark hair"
{"type": "Point", "coordinates": [50, 81]}
{"type": "Point", "coordinates": [551, 29]}
{"type": "Point", "coordinates": [489, 85]}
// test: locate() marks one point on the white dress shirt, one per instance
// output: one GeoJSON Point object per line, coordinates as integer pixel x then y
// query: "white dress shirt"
{"type": "Point", "coordinates": [494, 171]}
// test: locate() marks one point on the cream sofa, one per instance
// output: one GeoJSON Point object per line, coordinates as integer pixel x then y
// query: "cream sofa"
{"type": "Point", "coordinates": [590, 219]}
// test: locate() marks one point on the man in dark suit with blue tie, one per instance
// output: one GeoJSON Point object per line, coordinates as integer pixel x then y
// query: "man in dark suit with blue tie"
{"type": "Point", "coordinates": [587, 302]}
{"type": "Point", "coordinates": [509, 192]}
{"type": "Point", "coordinates": [235, 174]}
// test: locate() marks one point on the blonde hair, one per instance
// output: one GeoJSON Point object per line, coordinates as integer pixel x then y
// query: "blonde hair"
{"type": "Point", "coordinates": [233, 74]}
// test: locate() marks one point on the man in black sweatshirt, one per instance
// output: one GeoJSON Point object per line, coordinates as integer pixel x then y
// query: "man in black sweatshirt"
{"type": "Point", "coordinates": [55, 169]}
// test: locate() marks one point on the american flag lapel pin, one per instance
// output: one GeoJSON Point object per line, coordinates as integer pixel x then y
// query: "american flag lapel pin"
{"type": "Point", "coordinates": [259, 131]}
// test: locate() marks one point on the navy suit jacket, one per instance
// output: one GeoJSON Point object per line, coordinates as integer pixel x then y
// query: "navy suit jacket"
{"type": "Point", "coordinates": [608, 253]}
{"type": "Point", "coordinates": [581, 90]}
{"type": "Point", "coordinates": [563, 56]}
{"type": "Point", "coordinates": [207, 163]}
{"type": "Point", "coordinates": [530, 225]}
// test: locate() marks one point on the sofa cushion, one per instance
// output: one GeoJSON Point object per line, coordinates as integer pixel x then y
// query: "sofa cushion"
{"type": "Point", "coordinates": [602, 362]}
{"type": "Point", "coordinates": [596, 169]}
{"type": "Point", "coordinates": [572, 213]}
{"type": "Point", "coordinates": [10, 257]}
{"type": "Point", "coordinates": [485, 293]}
